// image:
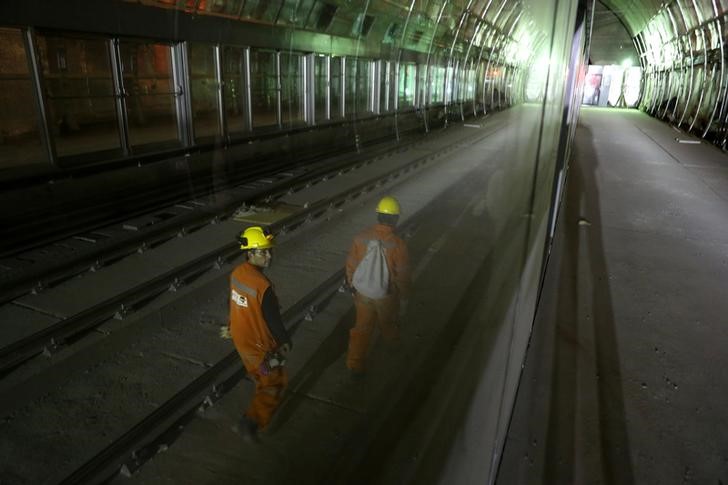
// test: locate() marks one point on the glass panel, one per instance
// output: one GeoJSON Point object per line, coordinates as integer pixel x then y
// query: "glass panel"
{"type": "Point", "coordinates": [321, 88]}
{"type": "Point", "coordinates": [384, 83]}
{"type": "Point", "coordinates": [203, 91]}
{"type": "Point", "coordinates": [149, 83]}
{"type": "Point", "coordinates": [351, 86]}
{"type": "Point", "coordinates": [407, 84]}
{"type": "Point", "coordinates": [422, 87]}
{"type": "Point", "coordinates": [263, 86]}
{"type": "Point", "coordinates": [20, 139]}
{"type": "Point", "coordinates": [80, 94]}
{"type": "Point", "coordinates": [336, 88]}
{"type": "Point", "coordinates": [437, 80]}
{"type": "Point", "coordinates": [233, 69]}
{"type": "Point", "coordinates": [363, 87]}
{"type": "Point", "coordinates": [440, 400]}
{"type": "Point", "coordinates": [292, 89]}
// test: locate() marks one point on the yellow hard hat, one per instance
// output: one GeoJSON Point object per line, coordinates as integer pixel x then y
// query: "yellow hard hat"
{"type": "Point", "coordinates": [388, 205]}
{"type": "Point", "coordinates": [255, 238]}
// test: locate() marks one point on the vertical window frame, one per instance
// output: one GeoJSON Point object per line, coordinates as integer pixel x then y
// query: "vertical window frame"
{"type": "Point", "coordinates": [182, 93]}
{"type": "Point", "coordinates": [41, 104]}
{"type": "Point", "coordinates": [121, 95]}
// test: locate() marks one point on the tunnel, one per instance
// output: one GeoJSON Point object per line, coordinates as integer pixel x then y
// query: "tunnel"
{"type": "Point", "coordinates": [191, 188]}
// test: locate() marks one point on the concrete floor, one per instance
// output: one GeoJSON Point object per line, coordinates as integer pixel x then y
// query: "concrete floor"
{"type": "Point", "coordinates": [624, 381]}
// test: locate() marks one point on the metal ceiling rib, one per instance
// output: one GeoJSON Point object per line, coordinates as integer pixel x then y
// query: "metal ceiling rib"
{"type": "Point", "coordinates": [430, 23]}
{"type": "Point", "coordinates": [636, 15]}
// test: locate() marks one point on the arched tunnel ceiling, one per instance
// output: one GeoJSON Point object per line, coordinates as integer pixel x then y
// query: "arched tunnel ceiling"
{"type": "Point", "coordinates": [611, 43]}
{"type": "Point", "coordinates": [429, 26]}
{"type": "Point", "coordinates": [635, 15]}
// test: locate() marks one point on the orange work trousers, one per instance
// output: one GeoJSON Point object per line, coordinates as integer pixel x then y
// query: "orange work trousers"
{"type": "Point", "coordinates": [370, 313]}
{"type": "Point", "coordinates": [268, 394]}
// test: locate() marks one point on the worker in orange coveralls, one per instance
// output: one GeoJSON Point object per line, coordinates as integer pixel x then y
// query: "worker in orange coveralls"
{"type": "Point", "coordinates": [383, 308]}
{"type": "Point", "coordinates": [257, 331]}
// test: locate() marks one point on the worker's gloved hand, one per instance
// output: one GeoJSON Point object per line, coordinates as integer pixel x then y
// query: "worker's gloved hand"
{"type": "Point", "coordinates": [225, 333]}
{"type": "Point", "coordinates": [403, 307]}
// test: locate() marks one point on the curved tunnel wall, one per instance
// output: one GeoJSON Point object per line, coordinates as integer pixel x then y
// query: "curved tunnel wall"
{"type": "Point", "coordinates": [682, 52]}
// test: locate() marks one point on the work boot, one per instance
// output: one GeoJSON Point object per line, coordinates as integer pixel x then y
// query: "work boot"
{"type": "Point", "coordinates": [248, 430]}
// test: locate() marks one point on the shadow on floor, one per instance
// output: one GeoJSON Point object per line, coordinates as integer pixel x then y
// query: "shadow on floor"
{"type": "Point", "coordinates": [581, 229]}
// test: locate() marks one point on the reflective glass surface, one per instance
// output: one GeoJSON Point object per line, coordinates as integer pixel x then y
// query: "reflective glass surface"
{"type": "Point", "coordinates": [292, 89]}
{"type": "Point", "coordinates": [352, 94]}
{"type": "Point", "coordinates": [336, 88]}
{"type": "Point", "coordinates": [264, 89]}
{"type": "Point", "coordinates": [321, 87]}
{"type": "Point", "coordinates": [476, 217]}
{"type": "Point", "coordinates": [364, 87]}
{"type": "Point", "coordinates": [407, 85]}
{"type": "Point", "coordinates": [204, 91]}
{"type": "Point", "coordinates": [149, 84]}
{"type": "Point", "coordinates": [234, 86]}
{"type": "Point", "coordinates": [20, 139]}
{"type": "Point", "coordinates": [385, 87]}
{"type": "Point", "coordinates": [80, 94]}
{"type": "Point", "coordinates": [358, 87]}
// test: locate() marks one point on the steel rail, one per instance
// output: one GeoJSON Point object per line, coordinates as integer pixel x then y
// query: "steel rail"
{"type": "Point", "coordinates": [56, 335]}
{"type": "Point", "coordinates": [159, 429]}
{"type": "Point", "coordinates": [140, 443]}
{"type": "Point", "coordinates": [44, 275]}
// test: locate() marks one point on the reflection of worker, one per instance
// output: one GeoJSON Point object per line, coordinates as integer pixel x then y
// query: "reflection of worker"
{"type": "Point", "coordinates": [257, 330]}
{"type": "Point", "coordinates": [372, 307]}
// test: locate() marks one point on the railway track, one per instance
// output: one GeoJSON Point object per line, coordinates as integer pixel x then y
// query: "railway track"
{"type": "Point", "coordinates": [37, 269]}
{"type": "Point", "coordinates": [130, 449]}
{"type": "Point", "coordinates": [50, 339]}
{"type": "Point", "coordinates": [156, 431]}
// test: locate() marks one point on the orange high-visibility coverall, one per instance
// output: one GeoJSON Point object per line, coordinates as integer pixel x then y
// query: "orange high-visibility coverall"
{"type": "Point", "coordinates": [253, 339]}
{"type": "Point", "coordinates": [383, 311]}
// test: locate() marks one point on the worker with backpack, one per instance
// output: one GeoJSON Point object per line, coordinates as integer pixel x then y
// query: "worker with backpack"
{"type": "Point", "coordinates": [377, 272]}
